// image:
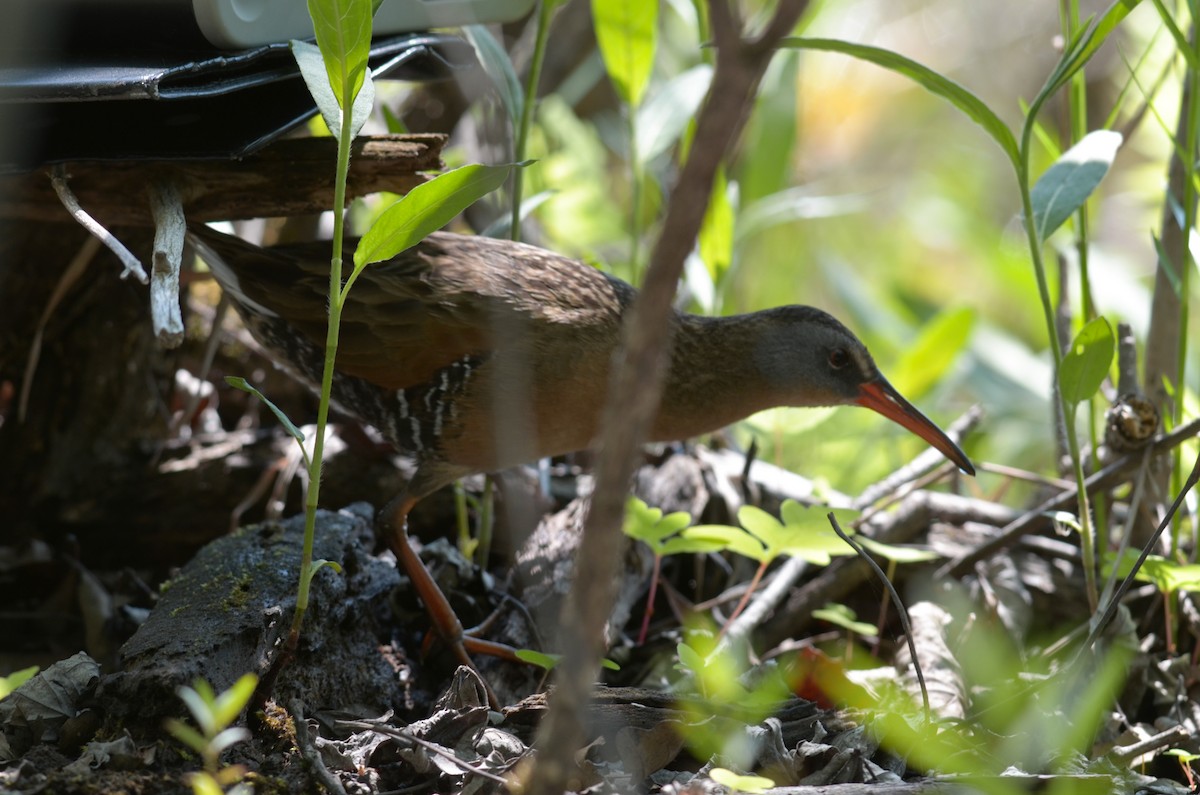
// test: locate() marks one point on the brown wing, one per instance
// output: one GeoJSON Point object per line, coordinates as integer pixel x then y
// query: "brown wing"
{"type": "Point", "coordinates": [448, 297]}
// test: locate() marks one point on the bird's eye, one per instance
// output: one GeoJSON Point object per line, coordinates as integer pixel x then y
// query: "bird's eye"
{"type": "Point", "coordinates": [838, 358]}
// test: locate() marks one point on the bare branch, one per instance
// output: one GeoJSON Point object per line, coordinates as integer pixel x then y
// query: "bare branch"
{"type": "Point", "coordinates": [636, 387]}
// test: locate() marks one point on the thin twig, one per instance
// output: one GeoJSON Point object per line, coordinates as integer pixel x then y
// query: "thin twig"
{"type": "Point", "coordinates": [308, 750]}
{"type": "Point", "coordinates": [901, 610]}
{"type": "Point", "coordinates": [397, 733]}
{"type": "Point", "coordinates": [1106, 478]}
{"type": "Point", "coordinates": [58, 178]}
{"type": "Point", "coordinates": [1023, 474]}
{"type": "Point", "coordinates": [928, 460]}
{"type": "Point", "coordinates": [1110, 610]}
{"type": "Point", "coordinates": [635, 386]}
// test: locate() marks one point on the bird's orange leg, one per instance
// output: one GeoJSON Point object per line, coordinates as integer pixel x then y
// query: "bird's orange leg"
{"type": "Point", "coordinates": [445, 621]}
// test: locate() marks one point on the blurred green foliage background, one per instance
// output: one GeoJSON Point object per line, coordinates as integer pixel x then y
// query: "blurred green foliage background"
{"type": "Point", "coordinates": [858, 191]}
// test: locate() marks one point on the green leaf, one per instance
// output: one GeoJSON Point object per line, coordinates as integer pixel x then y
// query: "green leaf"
{"type": "Point", "coordinates": [16, 679]}
{"type": "Point", "coordinates": [734, 539]}
{"type": "Point", "coordinates": [199, 701]}
{"type": "Point", "coordinates": [343, 30]}
{"type": "Point", "coordinates": [1086, 364]}
{"type": "Point", "coordinates": [715, 240]}
{"type": "Point", "coordinates": [237, 382]}
{"type": "Point", "coordinates": [1083, 48]}
{"type": "Point", "coordinates": [943, 86]}
{"type": "Point", "coordinates": [690, 658]}
{"type": "Point", "coordinates": [1167, 575]}
{"type": "Point", "coordinates": [318, 564]}
{"type": "Point", "coordinates": [312, 69]}
{"type": "Point", "coordinates": [739, 783]}
{"type": "Point", "coordinates": [541, 660]}
{"type": "Point", "coordinates": [682, 545]}
{"type": "Point", "coordinates": [395, 125]}
{"type": "Point", "coordinates": [230, 704]}
{"type": "Point", "coordinates": [499, 68]}
{"type": "Point", "coordinates": [939, 345]}
{"type": "Point", "coordinates": [427, 208]}
{"type": "Point", "coordinates": [662, 120]}
{"type": "Point", "coordinates": [763, 525]}
{"type": "Point", "coordinates": [844, 617]}
{"type": "Point", "coordinates": [1182, 45]}
{"type": "Point", "coordinates": [817, 547]}
{"type": "Point", "coordinates": [227, 738]}
{"type": "Point", "coordinates": [187, 735]}
{"type": "Point", "coordinates": [672, 523]}
{"type": "Point", "coordinates": [808, 536]}
{"type": "Point", "coordinates": [1068, 183]}
{"type": "Point", "coordinates": [1167, 266]}
{"type": "Point", "coordinates": [638, 517]}
{"type": "Point", "coordinates": [897, 554]}
{"type": "Point", "coordinates": [1182, 755]}
{"type": "Point", "coordinates": [650, 526]}
{"type": "Point", "coordinates": [627, 31]}
{"type": "Point", "coordinates": [793, 204]}
{"type": "Point", "coordinates": [770, 136]}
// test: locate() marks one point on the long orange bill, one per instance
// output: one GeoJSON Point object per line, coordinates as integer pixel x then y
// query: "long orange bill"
{"type": "Point", "coordinates": [880, 396]}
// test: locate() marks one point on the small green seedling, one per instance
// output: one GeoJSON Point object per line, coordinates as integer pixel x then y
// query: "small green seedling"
{"type": "Point", "coordinates": [844, 617]}
{"type": "Point", "coordinates": [214, 715]}
{"type": "Point", "coordinates": [237, 382]}
{"type": "Point", "coordinates": [1185, 765]}
{"type": "Point", "coordinates": [802, 534]}
{"type": "Point", "coordinates": [1170, 578]}
{"type": "Point", "coordinates": [662, 535]}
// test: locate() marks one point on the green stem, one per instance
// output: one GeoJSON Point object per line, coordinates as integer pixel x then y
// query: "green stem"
{"type": "Point", "coordinates": [1192, 103]}
{"type": "Point", "coordinates": [545, 11]}
{"type": "Point", "coordinates": [336, 299]}
{"type": "Point", "coordinates": [1078, 109]}
{"type": "Point", "coordinates": [487, 522]}
{"type": "Point", "coordinates": [462, 520]}
{"type": "Point", "coordinates": [1087, 547]}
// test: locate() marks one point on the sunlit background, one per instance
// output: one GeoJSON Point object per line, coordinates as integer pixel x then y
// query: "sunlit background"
{"type": "Point", "coordinates": [858, 191]}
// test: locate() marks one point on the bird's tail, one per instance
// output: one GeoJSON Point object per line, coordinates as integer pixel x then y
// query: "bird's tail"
{"type": "Point", "coordinates": [216, 248]}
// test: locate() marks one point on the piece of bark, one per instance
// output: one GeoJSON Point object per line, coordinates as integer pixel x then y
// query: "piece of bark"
{"type": "Point", "coordinates": [221, 615]}
{"type": "Point", "coordinates": [290, 177]}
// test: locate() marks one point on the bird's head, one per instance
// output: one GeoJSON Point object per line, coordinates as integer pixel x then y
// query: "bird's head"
{"type": "Point", "coordinates": [811, 359]}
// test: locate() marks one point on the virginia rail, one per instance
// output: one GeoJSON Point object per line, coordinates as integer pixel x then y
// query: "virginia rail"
{"type": "Point", "coordinates": [473, 355]}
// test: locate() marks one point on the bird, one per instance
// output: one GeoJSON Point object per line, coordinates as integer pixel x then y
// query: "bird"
{"type": "Point", "coordinates": [472, 354]}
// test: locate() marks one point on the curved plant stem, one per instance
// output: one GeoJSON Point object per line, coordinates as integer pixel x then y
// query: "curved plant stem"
{"type": "Point", "coordinates": [901, 610]}
{"type": "Point", "coordinates": [545, 11]}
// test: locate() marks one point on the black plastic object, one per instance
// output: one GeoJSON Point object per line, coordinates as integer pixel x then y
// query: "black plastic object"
{"type": "Point", "coordinates": [152, 106]}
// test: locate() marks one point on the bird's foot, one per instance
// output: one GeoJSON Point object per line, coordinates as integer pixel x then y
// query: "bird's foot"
{"type": "Point", "coordinates": [446, 626]}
